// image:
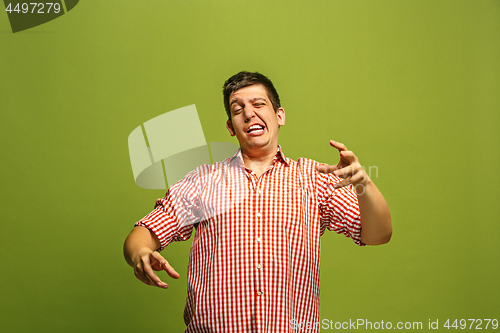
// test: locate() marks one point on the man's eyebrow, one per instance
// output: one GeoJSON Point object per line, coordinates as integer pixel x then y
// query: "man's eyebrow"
{"type": "Point", "coordinates": [258, 98]}
{"type": "Point", "coordinates": [236, 100]}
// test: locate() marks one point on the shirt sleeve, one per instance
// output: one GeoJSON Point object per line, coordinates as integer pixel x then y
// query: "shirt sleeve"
{"type": "Point", "coordinates": [175, 214]}
{"type": "Point", "coordinates": [338, 208]}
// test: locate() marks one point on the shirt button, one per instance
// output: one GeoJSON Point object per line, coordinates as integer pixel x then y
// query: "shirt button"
{"type": "Point", "coordinates": [259, 214]}
{"type": "Point", "coordinates": [259, 293]}
{"type": "Point", "coordinates": [258, 239]}
{"type": "Point", "coordinates": [259, 266]}
{"type": "Point", "coordinates": [259, 191]}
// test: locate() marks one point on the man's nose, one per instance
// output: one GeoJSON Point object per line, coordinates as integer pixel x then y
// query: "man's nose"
{"type": "Point", "coordinates": [248, 112]}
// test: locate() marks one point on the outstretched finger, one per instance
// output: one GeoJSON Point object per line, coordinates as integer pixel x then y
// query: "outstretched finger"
{"type": "Point", "coordinates": [139, 273]}
{"type": "Point", "coordinates": [149, 273]}
{"type": "Point", "coordinates": [348, 171]}
{"type": "Point", "coordinates": [348, 156]}
{"type": "Point", "coordinates": [340, 146]}
{"type": "Point", "coordinates": [325, 168]}
{"type": "Point", "coordinates": [165, 265]}
{"type": "Point", "coordinates": [342, 183]}
{"type": "Point", "coordinates": [355, 180]}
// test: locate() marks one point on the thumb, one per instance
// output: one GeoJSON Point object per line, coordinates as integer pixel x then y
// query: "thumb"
{"type": "Point", "coordinates": [325, 168]}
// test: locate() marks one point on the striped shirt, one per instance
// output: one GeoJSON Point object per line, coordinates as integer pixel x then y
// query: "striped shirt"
{"type": "Point", "coordinates": [254, 261]}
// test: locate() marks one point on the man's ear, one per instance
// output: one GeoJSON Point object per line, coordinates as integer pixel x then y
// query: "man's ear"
{"type": "Point", "coordinates": [230, 128]}
{"type": "Point", "coordinates": [280, 114]}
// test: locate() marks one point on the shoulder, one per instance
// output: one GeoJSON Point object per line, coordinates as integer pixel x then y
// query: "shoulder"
{"type": "Point", "coordinates": [308, 166]}
{"type": "Point", "coordinates": [203, 173]}
{"type": "Point", "coordinates": [307, 162]}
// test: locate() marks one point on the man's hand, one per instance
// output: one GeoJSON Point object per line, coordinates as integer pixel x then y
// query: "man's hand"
{"type": "Point", "coordinates": [147, 262]}
{"type": "Point", "coordinates": [348, 168]}
{"type": "Point", "coordinates": [139, 253]}
{"type": "Point", "coordinates": [376, 225]}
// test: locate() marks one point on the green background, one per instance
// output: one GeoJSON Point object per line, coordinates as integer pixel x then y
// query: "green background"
{"type": "Point", "coordinates": [412, 87]}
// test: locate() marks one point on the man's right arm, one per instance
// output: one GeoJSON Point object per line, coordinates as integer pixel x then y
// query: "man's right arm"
{"type": "Point", "coordinates": [140, 253]}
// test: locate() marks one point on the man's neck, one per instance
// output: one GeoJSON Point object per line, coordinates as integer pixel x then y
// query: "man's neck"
{"type": "Point", "coordinates": [258, 163]}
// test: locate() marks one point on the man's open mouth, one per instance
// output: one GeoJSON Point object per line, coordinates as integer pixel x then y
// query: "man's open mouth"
{"type": "Point", "coordinates": [255, 128]}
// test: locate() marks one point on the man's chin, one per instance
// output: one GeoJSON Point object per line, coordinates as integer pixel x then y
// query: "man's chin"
{"type": "Point", "coordinates": [253, 147]}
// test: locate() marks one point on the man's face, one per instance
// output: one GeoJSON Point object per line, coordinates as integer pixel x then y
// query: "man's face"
{"type": "Point", "coordinates": [254, 121]}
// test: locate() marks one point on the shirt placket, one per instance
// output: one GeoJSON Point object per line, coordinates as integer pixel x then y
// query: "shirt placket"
{"type": "Point", "coordinates": [260, 288]}
{"type": "Point", "coordinates": [262, 244]}
{"type": "Point", "coordinates": [255, 241]}
{"type": "Point", "coordinates": [258, 203]}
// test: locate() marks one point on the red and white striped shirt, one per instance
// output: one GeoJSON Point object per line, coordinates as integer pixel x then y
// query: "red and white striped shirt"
{"type": "Point", "coordinates": [254, 261]}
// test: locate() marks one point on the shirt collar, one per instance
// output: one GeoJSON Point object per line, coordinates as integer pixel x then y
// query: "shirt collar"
{"type": "Point", "coordinates": [238, 157]}
{"type": "Point", "coordinates": [282, 157]}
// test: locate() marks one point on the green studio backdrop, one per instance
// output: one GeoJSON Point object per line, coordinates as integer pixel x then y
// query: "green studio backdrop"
{"type": "Point", "coordinates": [410, 86]}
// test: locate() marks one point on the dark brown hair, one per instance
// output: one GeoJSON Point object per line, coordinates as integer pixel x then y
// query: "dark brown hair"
{"type": "Point", "coordinates": [244, 79]}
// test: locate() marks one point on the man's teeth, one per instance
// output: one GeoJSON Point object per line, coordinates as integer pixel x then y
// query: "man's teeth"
{"type": "Point", "coordinates": [255, 127]}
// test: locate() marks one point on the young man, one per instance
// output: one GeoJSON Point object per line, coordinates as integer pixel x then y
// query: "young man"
{"type": "Point", "coordinates": [254, 263]}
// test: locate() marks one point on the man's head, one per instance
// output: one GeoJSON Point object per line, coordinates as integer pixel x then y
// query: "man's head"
{"type": "Point", "coordinates": [244, 79]}
{"type": "Point", "coordinates": [253, 116]}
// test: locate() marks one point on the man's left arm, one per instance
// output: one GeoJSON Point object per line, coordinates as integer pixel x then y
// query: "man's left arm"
{"type": "Point", "coordinates": [376, 225]}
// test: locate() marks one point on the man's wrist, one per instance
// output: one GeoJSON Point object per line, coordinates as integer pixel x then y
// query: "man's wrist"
{"type": "Point", "coordinates": [362, 187]}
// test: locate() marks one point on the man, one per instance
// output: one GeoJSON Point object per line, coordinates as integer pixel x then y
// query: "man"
{"type": "Point", "coordinates": [254, 263]}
